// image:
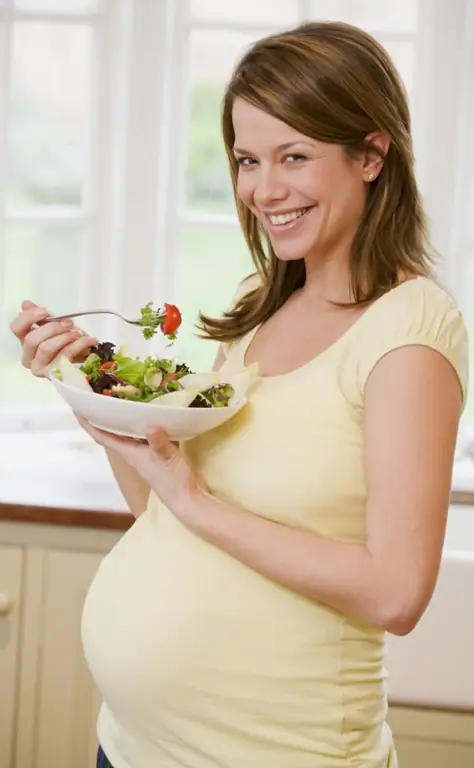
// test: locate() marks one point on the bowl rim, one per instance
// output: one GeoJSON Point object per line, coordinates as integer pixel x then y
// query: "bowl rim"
{"type": "Point", "coordinates": [169, 408]}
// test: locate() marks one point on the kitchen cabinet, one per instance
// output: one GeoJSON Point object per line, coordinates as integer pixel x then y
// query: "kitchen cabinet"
{"type": "Point", "coordinates": [11, 571]}
{"type": "Point", "coordinates": [429, 738]}
{"type": "Point", "coordinates": [48, 702]}
{"type": "Point", "coordinates": [58, 702]}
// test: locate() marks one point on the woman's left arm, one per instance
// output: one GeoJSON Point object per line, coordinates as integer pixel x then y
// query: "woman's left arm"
{"type": "Point", "coordinates": [412, 409]}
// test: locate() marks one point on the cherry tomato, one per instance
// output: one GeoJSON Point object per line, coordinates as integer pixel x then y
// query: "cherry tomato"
{"type": "Point", "coordinates": [168, 377]}
{"type": "Point", "coordinates": [172, 319]}
{"type": "Point", "coordinates": [107, 392]}
{"type": "Point", "coordinates": [111, 365]}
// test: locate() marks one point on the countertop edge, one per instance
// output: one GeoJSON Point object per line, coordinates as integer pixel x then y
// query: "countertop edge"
{"type": "Point", "coordinates": [109, 519]}
{"type": "Point", "coordinates": [462, 497]}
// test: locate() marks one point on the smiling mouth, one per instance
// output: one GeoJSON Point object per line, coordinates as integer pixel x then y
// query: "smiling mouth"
{"type": "Point", "coordinates": [282, 219]}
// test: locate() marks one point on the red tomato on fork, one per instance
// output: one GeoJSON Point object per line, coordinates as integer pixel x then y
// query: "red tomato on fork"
{"type": "Point", "coordinates": [172, 319]}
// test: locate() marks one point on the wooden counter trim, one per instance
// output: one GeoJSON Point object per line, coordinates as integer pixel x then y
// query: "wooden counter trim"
{"type": "Point", "coordinates": [83, 518]}
{"type": "Point", "coordinates": [462, 497]}
{"type": "Point", "coordinates": [108, 519]}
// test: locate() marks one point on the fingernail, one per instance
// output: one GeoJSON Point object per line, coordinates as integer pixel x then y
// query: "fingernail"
{"type": "Point", "coordinates": [66, 323]}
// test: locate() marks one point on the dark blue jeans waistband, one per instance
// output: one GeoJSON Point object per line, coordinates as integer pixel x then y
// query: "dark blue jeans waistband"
{"type": "Point", "coordinates": [102, 761]}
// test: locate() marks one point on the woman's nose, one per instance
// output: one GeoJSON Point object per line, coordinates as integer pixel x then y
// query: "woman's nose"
{"type": "Point", "coordinates": [269, 187]}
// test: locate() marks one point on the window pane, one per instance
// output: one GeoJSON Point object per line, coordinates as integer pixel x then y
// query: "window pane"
{"type": "Point", "coordinates": [49, 113]}
{"type": "Point", "coordinates": [467, 182]}
{"type": "Point", "coordinates": [468, 414]}
{"type": "Point", "coordinates": [212, 58]}
{"type": "Point", "coordinates": [60, 6]}
{"type": "Point", "coordinates": [247, 11]}
{"type": "Point", "coordinates": [212, 262]}
{"type": "Point", "coordinates": [42, 265]}
{"type": "Point", "coordinates": [22, 388]}
{"type": "Point", "coordinates": [374, 13]}
{"type": "Point", "coordinates": [467, 185]}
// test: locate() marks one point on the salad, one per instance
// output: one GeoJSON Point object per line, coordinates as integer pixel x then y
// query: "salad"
{"type": "Point", "coordinates": [112, 372]}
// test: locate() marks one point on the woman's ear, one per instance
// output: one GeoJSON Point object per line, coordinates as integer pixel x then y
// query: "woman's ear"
{"type": "Point", "coordinates": [374, 155]}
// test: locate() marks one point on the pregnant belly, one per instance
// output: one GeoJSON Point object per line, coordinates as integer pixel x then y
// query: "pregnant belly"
{"type": "Point", "coordinates": [175, 631]}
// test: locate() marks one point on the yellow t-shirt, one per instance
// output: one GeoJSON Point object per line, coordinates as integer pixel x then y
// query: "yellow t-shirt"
{"type": "Point", "coordinates": [204, 663]}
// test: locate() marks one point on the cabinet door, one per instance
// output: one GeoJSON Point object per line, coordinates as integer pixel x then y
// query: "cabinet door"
{"type": "Point", "coordinates": [59, 702]}
{"type": "Point", "coordinates": [433, 738]}
{"type": "Point", "coordinates": [11, 559]}
{"type": "Point", "coordinates": [413, 753]}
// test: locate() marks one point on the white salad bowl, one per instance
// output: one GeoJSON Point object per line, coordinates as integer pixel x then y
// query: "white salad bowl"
{"type": "Point", "coordinates": [131, 419]}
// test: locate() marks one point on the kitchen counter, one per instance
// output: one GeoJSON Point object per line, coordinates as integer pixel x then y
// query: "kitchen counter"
{"type": "Point", "coordinates": [59, 478]}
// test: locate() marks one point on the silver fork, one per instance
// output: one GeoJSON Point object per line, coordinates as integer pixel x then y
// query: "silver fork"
{"type": "Point", "coordinates": [93, 312]}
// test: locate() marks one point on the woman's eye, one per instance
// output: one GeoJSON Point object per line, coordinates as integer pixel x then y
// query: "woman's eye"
{"type": "Point", "coordinates": [245, 161]}
{"type": "Point", "coordinates": [295, 158]}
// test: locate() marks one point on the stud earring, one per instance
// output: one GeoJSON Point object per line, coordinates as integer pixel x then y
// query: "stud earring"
{"type": "Point", "coordinates": [370, 177]}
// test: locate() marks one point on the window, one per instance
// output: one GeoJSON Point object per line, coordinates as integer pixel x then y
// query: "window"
{"type": "Point", "coordinates": [47, 96]}
{"type": "Point", "coordinates": [114, 188]}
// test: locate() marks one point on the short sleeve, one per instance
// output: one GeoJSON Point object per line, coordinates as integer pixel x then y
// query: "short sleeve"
{"type": "Point", "coordinates": [417, 312]}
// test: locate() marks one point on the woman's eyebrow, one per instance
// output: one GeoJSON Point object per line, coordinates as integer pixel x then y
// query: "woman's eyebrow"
{"type": "Point", "coordinates": [280, 148]}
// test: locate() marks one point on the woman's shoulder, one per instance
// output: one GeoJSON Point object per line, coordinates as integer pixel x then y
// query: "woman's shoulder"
{"type": "Point", "coordinates": [419, 305]}
{"type": "Point", "coordinates": [419, 311]}
{"type": "Point", "coordinates": [416, 287]}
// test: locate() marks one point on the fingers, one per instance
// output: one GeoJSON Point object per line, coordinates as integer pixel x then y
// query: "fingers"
{"type": "Point", "coordinates": [78, 350]}
{"type": "Point", "coordinates": [73, 345]}
{"type": "Point", "coordinates": [159, 441]}
{"type": "Point", "coordinates": [43, 344]}
{"type": "Point", "coordinates": [23, 323]}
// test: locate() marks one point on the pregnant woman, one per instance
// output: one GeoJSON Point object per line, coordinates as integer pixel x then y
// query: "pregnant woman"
{"type": "Point", "coordinates": [240, 622]}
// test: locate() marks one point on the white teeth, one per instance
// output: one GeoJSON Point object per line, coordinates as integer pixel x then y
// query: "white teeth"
{"type": "Point", "coordinates": [284, 218]}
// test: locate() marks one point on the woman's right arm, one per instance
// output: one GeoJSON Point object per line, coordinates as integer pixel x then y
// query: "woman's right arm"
{"type": "Point", "coordinates": [133, 488]}
{"type": "Point", "coordinates": [41, 347]}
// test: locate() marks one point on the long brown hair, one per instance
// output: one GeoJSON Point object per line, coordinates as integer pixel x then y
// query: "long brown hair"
{"type": "Point", "coordinates": [334, 83]}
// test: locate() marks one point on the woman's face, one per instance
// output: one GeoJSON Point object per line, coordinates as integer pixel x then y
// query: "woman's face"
{"type": "Point", "coordinates": [308, 195]}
